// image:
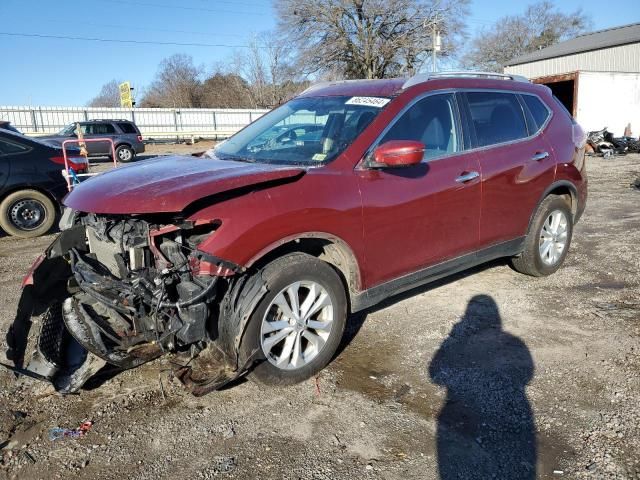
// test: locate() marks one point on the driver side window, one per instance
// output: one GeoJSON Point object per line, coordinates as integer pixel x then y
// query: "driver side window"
{"type": "Point", "coordinates": [430, 121]}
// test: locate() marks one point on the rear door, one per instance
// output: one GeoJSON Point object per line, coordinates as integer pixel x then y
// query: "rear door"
{"type": "Point", "coordinates": [516, 162]}
{"type": "Point", "coordinates": [103, 130]}
{"type": "Point", "coordinates": [418, 216]}
{"type": "Point", "coordinates": [8, 150]}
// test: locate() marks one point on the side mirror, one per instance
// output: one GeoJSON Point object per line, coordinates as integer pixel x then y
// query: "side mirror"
{"type": "Point", "coordinates": [397, 153]}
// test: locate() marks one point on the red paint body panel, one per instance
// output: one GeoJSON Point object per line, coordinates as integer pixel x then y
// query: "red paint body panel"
{"type": "Point", "coordinates": [168, 184]}
{"type": "Point", "coordinates": [260, 221]}
{"type": "Point", "coordinates": [418, 216]}
{"type": "Point", "coordinates": [512, 183]}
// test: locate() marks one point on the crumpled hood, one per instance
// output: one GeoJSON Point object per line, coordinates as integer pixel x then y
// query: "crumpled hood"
{"type": "Point", "coordinates": [169, 184]}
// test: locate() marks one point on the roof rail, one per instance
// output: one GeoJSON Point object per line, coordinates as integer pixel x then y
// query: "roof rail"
{"type": "Point", "coordinates": [424, 77]}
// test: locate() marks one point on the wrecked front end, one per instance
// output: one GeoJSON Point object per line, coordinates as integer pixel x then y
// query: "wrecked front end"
{"type": "Point", "coordinates": [121, 291]}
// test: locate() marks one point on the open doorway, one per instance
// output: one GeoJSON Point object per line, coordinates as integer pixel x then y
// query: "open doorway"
{"type": "Point", "coordinates": [564, 87]}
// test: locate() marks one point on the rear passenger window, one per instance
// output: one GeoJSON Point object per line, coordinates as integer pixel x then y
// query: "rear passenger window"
{"type": "Point", "coordinates": [127, 128]}
{"type": "Point", "coordinates": [538, 111]}
{"type": "Point", "coordinates": [430, 121]}
{"type": "Point", "coordinates": [103, 129]}
{"type": "Point", "coordinates": [497, 117]}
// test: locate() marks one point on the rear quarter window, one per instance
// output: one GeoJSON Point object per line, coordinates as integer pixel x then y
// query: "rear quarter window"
{"type": "Point", "coordinates": [538, 110]}
{"type": "Point", "coordinates": [496, 117]}
{"type": "Point", "coordinates": [8, 148]}
{"type": "Point", "coordinates": [127, 127]}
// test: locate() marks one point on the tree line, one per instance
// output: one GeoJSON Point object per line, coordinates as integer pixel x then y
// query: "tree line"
{"type": "Point", "coordinates": [347, 39]}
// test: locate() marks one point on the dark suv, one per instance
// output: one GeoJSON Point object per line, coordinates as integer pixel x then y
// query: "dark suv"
{"type": "Point", "coordinates": [251, 258]}
{"type": "Point", "coordinates": [126, 137]}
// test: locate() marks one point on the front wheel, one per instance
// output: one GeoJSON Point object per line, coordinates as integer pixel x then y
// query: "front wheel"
{"type": "Point", "coordinates": [297, 327]}
{"type": "Point", "coordinates": [27, 213]}
{"type": "Point", "coordinates": [548, 240]}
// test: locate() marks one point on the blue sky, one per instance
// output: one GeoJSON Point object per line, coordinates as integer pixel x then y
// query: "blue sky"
{"type": "Point", "coordinates": [48, 71]}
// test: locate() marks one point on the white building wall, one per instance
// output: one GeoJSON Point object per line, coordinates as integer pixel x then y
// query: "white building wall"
{"type": "Point", "coordinates": [609, 99]}
{"type": "Point", "coordinates": [623, 58]}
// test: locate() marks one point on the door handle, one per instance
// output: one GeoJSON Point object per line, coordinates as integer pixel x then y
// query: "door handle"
{"type": "Point", "coordinates": [466, 177]}
{"type": "Point", "coordinates": [540, 156]}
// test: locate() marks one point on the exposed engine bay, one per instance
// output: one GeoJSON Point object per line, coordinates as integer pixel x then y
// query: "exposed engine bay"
{"type": "Point", "coordinates": [123, 291]}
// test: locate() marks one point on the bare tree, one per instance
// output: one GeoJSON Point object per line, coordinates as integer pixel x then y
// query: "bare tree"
{"type": "Point", "coordinates": [109, 95]}
{"type": "Point", "coordinates": [540, 26]}
{"type": "Point", "coordinates": [177, 84]}
{"type": "Point", "coordinates": [223, 89]}
{"type": "Point", "coordinates": [369, 38]}
{"type": "Point", "coordinates": [267, 67]}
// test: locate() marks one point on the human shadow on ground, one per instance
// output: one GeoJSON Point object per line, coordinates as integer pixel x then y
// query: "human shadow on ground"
{"type": "Point", "coordinates": [486, 427]}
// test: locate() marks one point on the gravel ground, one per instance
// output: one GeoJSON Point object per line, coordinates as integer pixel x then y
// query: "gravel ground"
{"type": "Point", "coordinates": [489, 374]}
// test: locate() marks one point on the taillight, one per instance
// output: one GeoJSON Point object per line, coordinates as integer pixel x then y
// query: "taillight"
{"type": "Point", "coordinates": [579, 136]}
{"type": "Point", "coordinates": [79, 164]}
{"type": "Point", "coordinates": [139, 138]}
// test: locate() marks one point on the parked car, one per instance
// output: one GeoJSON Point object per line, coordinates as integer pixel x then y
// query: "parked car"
{"type": "Point", "coordinates": [31, 183]}
{"type": "Point", "coordinates": [126, 137]}
{"type": "Point", "coordinates": [4, 125]}
{"type": "Point", "coordinates": [261, 250]}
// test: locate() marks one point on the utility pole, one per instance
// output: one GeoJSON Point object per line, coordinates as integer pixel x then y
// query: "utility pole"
{"type": "Point", "coordinates": [436, 43]}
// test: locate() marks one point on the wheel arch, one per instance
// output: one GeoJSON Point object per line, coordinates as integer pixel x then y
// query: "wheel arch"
{"type": "Point", "coordinates": [561, 188]}
{"type": "Point", "coordinates": [16, 188]}
{"type": "Point", "coordinates": [322, 245]}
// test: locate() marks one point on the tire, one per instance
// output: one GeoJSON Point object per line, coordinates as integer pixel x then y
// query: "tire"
{"type": "Point", "coordinates": [27, 214]}
{"type": "Point", "coordinates": [533, 260]}
{"type": "Point", "coordinates": [124, 153]}
{"type": "Point", "coordinates": [309, 273]}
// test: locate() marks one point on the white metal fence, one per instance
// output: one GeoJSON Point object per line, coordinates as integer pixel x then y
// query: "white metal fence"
{"type": "Point", "coordinates": [153, 122]}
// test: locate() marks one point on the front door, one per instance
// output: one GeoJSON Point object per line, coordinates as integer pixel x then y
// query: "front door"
{"type": "Point", "coordinates": [418, 216]}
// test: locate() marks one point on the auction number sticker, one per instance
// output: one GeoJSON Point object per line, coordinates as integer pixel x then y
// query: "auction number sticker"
{"type": "Point", "coordinates": [368, 101]}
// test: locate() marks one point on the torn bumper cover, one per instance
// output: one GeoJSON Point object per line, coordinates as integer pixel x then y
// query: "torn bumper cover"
{"type": "Point", "coordinates": [115, 291]}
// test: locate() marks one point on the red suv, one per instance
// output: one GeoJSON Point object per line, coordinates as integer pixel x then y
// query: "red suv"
{"type": "Point", "coordinates": [255, 254]}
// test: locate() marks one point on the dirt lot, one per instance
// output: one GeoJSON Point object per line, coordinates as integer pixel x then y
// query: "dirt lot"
{"type": "Point", "coordinates": [490, 374]}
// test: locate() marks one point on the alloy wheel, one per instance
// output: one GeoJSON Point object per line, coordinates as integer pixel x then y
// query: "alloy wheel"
{"type": "Point", "coordinates": [553, 237]}
{"type": "Point", "coordinates": [124, 154]}
{"type": "Point", "coordinates": [296, 325]}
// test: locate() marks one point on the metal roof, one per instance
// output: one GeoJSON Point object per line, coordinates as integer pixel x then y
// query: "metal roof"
{"type": "Point", "coordinates": [610, 37]}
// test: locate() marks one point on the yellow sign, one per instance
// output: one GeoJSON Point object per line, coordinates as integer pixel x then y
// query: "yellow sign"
{"type": "Point", "coordinates": [125, 95]}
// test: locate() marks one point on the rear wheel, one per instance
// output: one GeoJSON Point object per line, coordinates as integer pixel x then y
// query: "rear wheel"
{"type": "Point", "coordinates": [124, 153]}
{"type": "Point", "coordinates": [297, 327]}
{"type": "Point", "coordinates": [548, 240]}
{"type": "Point", "coordinates": [27, 213]}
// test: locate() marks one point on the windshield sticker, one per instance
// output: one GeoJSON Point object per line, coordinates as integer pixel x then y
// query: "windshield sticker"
{"type": "Point", "coordinates": [318, 157]}
{"type": "Point", "coordinates": [368, 101]}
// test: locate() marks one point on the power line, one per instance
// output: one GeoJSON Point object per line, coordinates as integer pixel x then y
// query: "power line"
{"type": "Point", "coordinates": [136, 27]}
{"type": "Point", "coordinates": [117, 40]}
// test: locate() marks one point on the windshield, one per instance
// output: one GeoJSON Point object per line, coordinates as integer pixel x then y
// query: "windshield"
{"type": "Point", "coordinates": [68, 130]}
{"type": "Point", "coordinates": [304, 131]}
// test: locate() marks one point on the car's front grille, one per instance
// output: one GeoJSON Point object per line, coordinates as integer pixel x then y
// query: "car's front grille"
{"type": "Point", "coordinates": [51, 335]}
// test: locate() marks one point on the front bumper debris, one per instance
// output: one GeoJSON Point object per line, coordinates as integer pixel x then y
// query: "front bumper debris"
{"type": "Point", "coordinates": [89, 318]}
